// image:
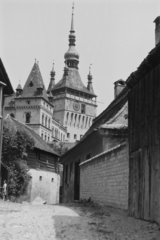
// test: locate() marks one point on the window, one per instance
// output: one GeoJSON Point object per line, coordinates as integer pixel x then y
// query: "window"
{"type": "Point", "coordinates": [31, 84]}
{"type": "Point", "coordinates": [88, 156]}
{"type": "Point", "coordinates": [46, 121]}
{"type": "Point", "coordinates": [83, 108]}
{"type": "Point", "coordinates": [42, 119]}
{"type": "Point", "coordinates": [75, 136]}
{"type": "Point", "coordinates": [28, 101]}
{"type": "Point", "coordinates": [49, 122]}
{"type": "Point", "coordinates": [28, 117]}
{"type": "Point", "coordinates": [40, 178]}
{"type": "Point", "coordinates": [45, 138]}
{"type": "Point", "coordinates": [68, 135]}
{"type": "Point", "coordinates": [42, 135]}
{"type": "Point", "coordinates": [48, 138]}
{"type": "Point", "coordinates": [53, 132]}
{"type": "Point", "coordinates": [52, 179]}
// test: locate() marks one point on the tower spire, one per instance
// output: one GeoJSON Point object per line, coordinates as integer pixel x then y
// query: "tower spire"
{"type": "Point", "coordinates": [71, 56]}
{"type": "Point", "coordinates": [52, 79]}
{"type": "Point", "coordinates": [72, 20]}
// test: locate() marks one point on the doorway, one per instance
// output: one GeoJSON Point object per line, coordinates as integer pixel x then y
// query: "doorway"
{"type": "Point", "coordinates": [77, 181]}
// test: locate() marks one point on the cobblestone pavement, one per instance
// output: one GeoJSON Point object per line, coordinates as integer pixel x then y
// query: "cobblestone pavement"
{"type": "Point", "coordinates": [70, 222]}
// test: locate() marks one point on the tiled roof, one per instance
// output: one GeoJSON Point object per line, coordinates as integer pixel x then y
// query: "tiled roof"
{"type": "Point", "coordinates": [150, 62]}
{"type": "Point", "coordinates": [73, 81]}
{"type": "Point", "coordinates": [33, 82]}
{"type": "Point", "coordinates": [39, 142]}
{"type": "Point", "coordinates": [8, 89]}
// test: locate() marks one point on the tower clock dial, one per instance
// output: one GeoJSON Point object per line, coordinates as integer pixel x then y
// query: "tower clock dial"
{"type": "Point", "coordinates": [76, 106]}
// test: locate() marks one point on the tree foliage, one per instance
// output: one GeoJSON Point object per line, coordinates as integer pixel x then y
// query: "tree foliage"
{"type": "Point", "coordinates": [15, 147]}
{"type": "Point", "coordinates": [59, 147]}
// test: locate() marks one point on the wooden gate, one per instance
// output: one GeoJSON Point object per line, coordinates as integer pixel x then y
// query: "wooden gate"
{"type": "Point", "coordinates": [144, 184]}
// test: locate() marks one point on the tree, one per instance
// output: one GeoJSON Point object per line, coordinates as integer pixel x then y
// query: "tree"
{"type": "Point", "coordinates": [15, 147]}
{"type": "Point", "coordinates": [59, 147]}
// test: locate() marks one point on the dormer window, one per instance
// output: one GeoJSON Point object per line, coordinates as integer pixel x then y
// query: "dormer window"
{"type": "Point", "coordinates": [28, 117]}
{"type": "Point", "coordinates": [31, 84]}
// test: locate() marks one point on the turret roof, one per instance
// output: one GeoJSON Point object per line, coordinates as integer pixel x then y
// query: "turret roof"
{"type": "Point", "coordinates": [73, 81]}
{"type": "Point", "coordinates": [33, 82]}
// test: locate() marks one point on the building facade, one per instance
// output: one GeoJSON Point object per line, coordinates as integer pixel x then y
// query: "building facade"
{"type": "Point", "coordinates": [33, 106]}
{"type": "Point", "coordinates": [97, 166]}
{"type": "Point", "coordinates": [144, 137]}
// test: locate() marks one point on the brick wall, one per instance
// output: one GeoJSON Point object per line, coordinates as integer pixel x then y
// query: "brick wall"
{"type": "Point", "coordinates": [105, 178]}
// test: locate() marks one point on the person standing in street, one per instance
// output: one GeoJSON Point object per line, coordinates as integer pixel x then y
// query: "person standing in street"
{"type": "Point", "coordinates": [4, 191]}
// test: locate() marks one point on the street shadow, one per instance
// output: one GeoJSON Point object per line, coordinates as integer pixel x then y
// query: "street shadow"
{"type": "Point", "coordinates": [70, 222]}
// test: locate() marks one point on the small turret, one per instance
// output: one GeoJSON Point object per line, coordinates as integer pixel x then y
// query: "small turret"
{"type": "Point", "coordinates": [19, 90]}
{"type": "Point", "coordinates": [52, 80]}
{"type": "Point", "coordinates": [90, 86]}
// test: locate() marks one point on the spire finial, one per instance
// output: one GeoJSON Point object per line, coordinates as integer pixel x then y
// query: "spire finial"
{"type": "Point", "coordinates": [72, 21]}
{"type": "Point", "coordinates": [53, 66]}
{"type": "Point", "coordinates": [90, 68]}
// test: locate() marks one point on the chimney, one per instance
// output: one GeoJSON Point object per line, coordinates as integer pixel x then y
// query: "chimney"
{"type": "Point", "coordinates": [118, 87]}
{"type": "Point", "coordinates": [157, 30]}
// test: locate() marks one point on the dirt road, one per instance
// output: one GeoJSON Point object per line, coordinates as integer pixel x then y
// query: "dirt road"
{"type": "Point", "coordinates": [70, 222]}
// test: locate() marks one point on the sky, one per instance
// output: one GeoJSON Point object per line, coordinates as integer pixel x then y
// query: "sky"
{"type": "Point", "coordinates": [112, 35]}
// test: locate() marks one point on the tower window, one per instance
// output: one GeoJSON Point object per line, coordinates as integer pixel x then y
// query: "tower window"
{"type": "Point", "coordinates": [83, 108]}
{"type": "Point", "coordinates": [31, 84]}
{"type": "Point", "coordinates": [40, 178]}
{"type": "Point", "coordinates": [68, 135]}
{"type": "Point", "coordinates": [75, 136]}
{"type": "Point", "coordinates": [28, 117]}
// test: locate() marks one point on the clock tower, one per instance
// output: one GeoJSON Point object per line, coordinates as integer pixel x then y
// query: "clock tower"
{"type": "Point", "coordinates": [74, 104]}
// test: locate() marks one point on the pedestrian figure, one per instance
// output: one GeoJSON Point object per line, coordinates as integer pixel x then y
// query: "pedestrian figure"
{"type": "Point", "coordinates": [4, 191]}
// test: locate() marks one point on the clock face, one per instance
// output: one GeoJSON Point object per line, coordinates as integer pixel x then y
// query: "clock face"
{"type": "Point", "coordinates": [76, 106]}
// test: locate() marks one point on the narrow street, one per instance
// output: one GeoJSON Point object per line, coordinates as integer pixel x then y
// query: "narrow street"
{"type": "Point", "coordinates": [77, 222]}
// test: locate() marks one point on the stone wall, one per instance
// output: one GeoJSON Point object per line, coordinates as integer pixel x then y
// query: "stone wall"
{"type": "Point", "coordinates": [105, 177]}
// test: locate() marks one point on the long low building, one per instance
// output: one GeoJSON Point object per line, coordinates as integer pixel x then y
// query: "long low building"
{"type": "Point", "coordinates": [43, 164]}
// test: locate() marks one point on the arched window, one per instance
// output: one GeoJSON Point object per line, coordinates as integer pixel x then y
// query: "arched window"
{"type": "Point", "coordinates": [28, 117]}
{"type": "Point", "coordinates": [42, 119]}
{"type": "Point", "coordinates": [63, 137]}
{"type": "Point", "coordinates": [86, 121]}
{"type": "Point", "coordinates": [45, 137]}
{"type": "Point", "coordinates": [67, 117]}
{"type": "Point", "coordinates": [71, 118]}
{"type": "Point", "coordinates": [83, 121]}
{"type": "Point", "coordinates": [49, 123]}
{"type": "Point", "coordinates": [46, 121]}
{"type": "Point", "coordinates": [75, 119]}
{"type": "Point", "coordinates": [83, 108]}
{"type": "Point", "coordinates": [53, 132]}
{"type": "Point", "coordinates": [79, 120]}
